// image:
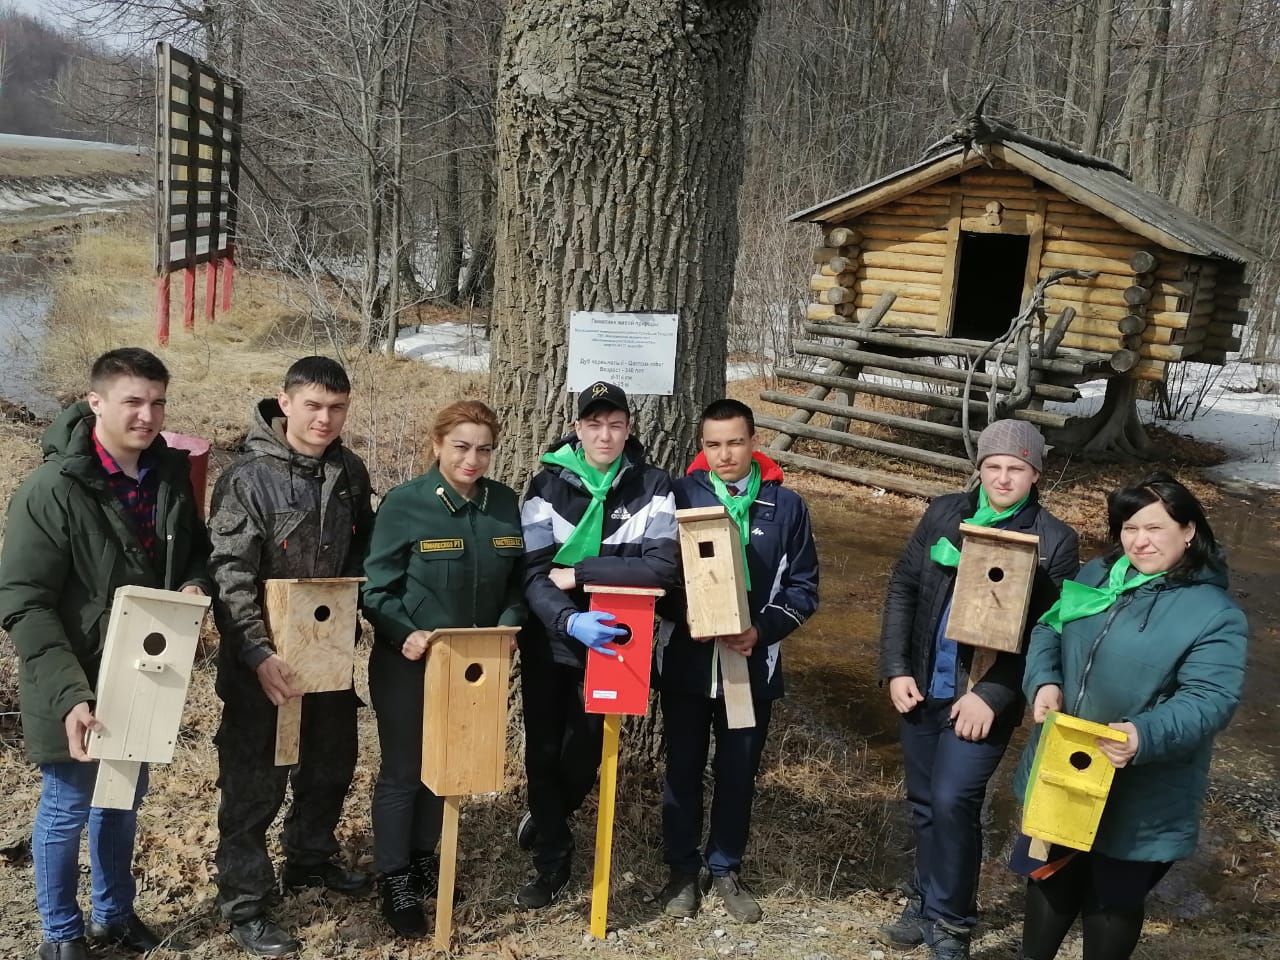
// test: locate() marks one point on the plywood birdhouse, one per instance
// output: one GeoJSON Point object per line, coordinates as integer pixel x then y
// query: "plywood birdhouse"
{"type": "Point", "coordinates": [1069, 783]}
{"type": "Point", "coordinates": [142, 686]}
{"type": "Point", "coordinates": [464, 719]}
{"type": "Point", "coordinates": [620, 684]}
{"type": "Point", "coordinates": [993, 588]}
{"type": "Point", "coordinates": [312, 624]}
{"type": "Point", "coordinates": [715, 582]}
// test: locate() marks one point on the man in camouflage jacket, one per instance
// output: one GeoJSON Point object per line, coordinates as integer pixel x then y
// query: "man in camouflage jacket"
{"type": "Point", "coordinates": [295, 504]}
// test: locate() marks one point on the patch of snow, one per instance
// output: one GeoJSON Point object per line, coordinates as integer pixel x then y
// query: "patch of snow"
{"type": "Point", "coordinates": [15, 199]}
{"type": "Point", "coordinates": [455, 346]}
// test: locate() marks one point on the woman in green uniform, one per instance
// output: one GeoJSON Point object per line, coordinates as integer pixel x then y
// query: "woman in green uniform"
{"type": "Point", "coordinates": [446, 552]}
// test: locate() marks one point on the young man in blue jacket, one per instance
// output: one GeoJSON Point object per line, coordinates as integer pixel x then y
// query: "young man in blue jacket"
{"type": "Point", "coordinates": [597, 512]}
{"type": "Point", "coordinates": [782, 563]}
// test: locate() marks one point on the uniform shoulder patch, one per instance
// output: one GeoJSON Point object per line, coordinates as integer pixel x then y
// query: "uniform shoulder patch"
{"type": "Point", "coordinates": [434, 546]}
{"type": "Point", "coordinates": [501, 542]}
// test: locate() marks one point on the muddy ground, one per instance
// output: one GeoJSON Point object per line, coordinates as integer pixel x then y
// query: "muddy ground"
{"type": "Point", "coordinates": [829, 842]}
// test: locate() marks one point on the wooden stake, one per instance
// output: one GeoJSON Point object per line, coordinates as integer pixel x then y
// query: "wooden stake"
{"type": "Point", "coordinates": [116, 784]}
{"type": "Point", "coordinates": [983, 660]}
{"type": "Point", "coordinates": [210, 288]}
{"type": "Point", "coordinates": [288, 731]}
{"type": "Point", "coordinates": [448, 873]}
{"type": "Point", "coordinates": [162, 309]}
{"type": "Point", "coordinates": [604, 826]}
{"type": "Point", "coordinates": [739, 709]}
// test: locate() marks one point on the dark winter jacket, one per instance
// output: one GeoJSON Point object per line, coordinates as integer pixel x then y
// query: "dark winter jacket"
{"type": "Point", "coordinates": [783, 561]}
{"type": "Point", "coordinates": [280, 514]}
{"type": "Point", "coordinates": [440, 560]}
{"type": "Point", "coordinates": [1169, 658]}
{"type": "Point", "coordinates": [638, 545]}
{"type": "Point", "coordinates": [68, 546]}
{"type": "Point", "coordinates": [919, 590]}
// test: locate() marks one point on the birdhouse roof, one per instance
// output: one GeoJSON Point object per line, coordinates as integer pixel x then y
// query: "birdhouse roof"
{"type": "Point", "coordinates": [1110, 194]}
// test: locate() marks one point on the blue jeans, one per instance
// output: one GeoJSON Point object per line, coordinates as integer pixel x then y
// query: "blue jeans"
{"type": "Point", "coordinates": [65, 792]}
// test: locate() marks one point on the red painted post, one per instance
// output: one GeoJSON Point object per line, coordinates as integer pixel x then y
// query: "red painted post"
{"type": "Point", "coordinates": [228, 272]}
{"type": "Point", "coordinates": [198, 453]}
{"type": "Point", "coordinates": [162, 309]}
{"type": "Point", "coordinates": [210, 288]}
{"type": "Point", "coordinates": [189, 298]}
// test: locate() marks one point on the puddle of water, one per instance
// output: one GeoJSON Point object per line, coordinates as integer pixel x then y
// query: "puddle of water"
{"type": "Point", "coordinates": [25, 299]}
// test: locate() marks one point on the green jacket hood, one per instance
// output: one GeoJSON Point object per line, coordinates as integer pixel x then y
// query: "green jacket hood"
{"type": "Point", "coordinates": [70, 433]}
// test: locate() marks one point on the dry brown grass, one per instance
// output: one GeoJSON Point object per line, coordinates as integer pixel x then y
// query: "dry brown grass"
{"type": "Point", "coordinates": [36, 163]}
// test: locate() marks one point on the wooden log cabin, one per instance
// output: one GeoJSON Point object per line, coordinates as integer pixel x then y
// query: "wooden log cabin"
{"type": "Point", "coordinates": [960, 240]}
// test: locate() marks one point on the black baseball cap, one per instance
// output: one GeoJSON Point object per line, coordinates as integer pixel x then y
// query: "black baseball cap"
{"type": "Point", "coordinates": [601, 394]}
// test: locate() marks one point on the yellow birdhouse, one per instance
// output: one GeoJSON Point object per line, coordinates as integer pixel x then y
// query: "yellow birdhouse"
{"type": "Point", "coordinates": [1069, 783]}
{"type": "Point", "coordinates": [464, 710]}
{"type": "Point", "coordinates": [142, 686]}
{"type": "Point", "coordinates": [715, 582]}
{"type": "Point", "coordinates": [993, 587]}
{"type": "Point", "coordinates": [312, 624]}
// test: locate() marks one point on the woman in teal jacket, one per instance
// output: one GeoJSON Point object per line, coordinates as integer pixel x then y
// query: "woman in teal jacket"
{"type": "Point", "coordinates": [1147, 640]}
{"type": "Point", "coordinates": [446, 551]}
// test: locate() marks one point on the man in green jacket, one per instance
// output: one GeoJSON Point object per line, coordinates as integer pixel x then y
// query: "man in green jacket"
{"type": "Point", "coordinates": [111, 506]}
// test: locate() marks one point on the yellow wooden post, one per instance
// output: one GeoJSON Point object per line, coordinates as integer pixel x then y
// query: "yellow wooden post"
{"type": "Point", "coordinates": [604, 826]}
{"type": "Point", "coordinates": [448, 870]}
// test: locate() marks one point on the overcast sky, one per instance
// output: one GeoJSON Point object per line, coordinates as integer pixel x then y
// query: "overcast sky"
{"type": "Point", "coordinates": [50, 11]}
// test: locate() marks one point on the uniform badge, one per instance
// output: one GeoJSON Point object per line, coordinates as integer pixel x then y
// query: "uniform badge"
{"type": "Point", "coordinates": [501, 542]}
{"type": "Point", "coordinates": [435, 546]}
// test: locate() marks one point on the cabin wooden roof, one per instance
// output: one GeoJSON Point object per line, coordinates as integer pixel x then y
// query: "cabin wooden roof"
{"type": "Point", "coordinates": [1110, 194]}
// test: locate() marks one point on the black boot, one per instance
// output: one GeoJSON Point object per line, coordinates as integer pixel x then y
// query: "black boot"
{"type": "Point", "coordinates": [263, 938]}
{"type": "Point", "coordinates": [132, 935]}
{"type": "Point", "coordinates": [679, 898]}
{"type": "Point", "coordinates": [910, 928]}
{"type": "Point", "coordinates": [947, 942]}
{"type": "Point", "coordinates": [402, 905]}
{"type": "Point", "coordinates": [330, 875]}
{"type": "Point", "coordinates": [63, 950]}
{"type": "Point", "coordinates": [424, 873]}
{"type": "Point", "coordinates": [543, 889]}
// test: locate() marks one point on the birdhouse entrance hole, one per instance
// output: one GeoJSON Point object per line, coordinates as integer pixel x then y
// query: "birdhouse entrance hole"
{"type": "Point", "coordinates": [474, 673]}
{"type": "Point", "coordinates": [154, 644]}
{"type": "Point", "coordinates": [995, 574]}
{"type": "Point", "coordinates": [623, 640]}
{"type": "Point", "coordinates": [706, 549]}
{"type": "Point", "coordinates": [1080, 760]}
{"type": "Point", "coordinates": [322, 613]}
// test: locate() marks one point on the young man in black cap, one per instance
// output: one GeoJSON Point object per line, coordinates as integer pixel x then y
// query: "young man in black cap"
{"type": "Point", "coordinates": [953, 740]}
{"type": "Point", "coordinates": [595, 513]}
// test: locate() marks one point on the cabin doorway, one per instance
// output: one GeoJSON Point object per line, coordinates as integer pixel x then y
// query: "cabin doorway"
{"type": "Point", "coordinates": [989, 289]}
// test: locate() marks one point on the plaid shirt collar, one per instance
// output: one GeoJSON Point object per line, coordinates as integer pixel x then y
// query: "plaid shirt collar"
{"type": "Point", "coordinates": [145, 462]}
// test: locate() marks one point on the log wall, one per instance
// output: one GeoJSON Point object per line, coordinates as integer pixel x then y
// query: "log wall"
{"type": "Point", "coordinates": [1147, 307]}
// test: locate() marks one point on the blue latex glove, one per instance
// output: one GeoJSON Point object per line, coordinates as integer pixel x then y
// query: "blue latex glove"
{"type": "Point", "coordinates": [589, 629]}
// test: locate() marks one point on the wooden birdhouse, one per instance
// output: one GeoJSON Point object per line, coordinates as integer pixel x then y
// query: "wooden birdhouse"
{"type": "Point", "coordinates": [464, 719]}
{"type": "Point", "coordinates": [715, 582]}
{"type": "Point", "coordinates": [620, 685]}
{"type": "Point", "coordinates": [312, 624]}
{"type": "Point", "coordinates": [993, 587]}
{"type": "Point", "coordinates": [142, 686]}
{"type": "Point", "coordinates": [1070, 781]}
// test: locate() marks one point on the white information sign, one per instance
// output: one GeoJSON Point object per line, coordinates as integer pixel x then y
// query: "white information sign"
{"type": "Point", "coordinates": [635, 351]}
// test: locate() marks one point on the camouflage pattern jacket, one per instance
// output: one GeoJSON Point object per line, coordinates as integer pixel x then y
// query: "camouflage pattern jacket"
{"type": "Point", "coordinates": [277, 513]}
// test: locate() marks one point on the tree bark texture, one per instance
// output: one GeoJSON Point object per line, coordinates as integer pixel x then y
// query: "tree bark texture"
{"type": "Point", "coordinates": [620, 154]}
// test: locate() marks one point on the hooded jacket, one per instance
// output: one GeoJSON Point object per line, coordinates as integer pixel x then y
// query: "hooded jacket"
{"type": "Point", "coordinates": [1169, 658]}
{"type": "Point", "coordinates": [919, 590]}
{"type": "Point", "coordinates": [637, 549]}
{"type": "Point", "coordinates": [783, 561]}
{"type": "Point", "coordinates": [280, 514]}
{"type": "Point", "coordinates": [68, 546]}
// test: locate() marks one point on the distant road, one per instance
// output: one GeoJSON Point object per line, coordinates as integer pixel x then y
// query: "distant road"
{"type": "Point", "coordinates": [20, 142]}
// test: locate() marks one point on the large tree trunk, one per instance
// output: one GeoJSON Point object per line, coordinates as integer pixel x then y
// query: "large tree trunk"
{"type": "Point", "coordinates": [1202, 140]}
{"type": "Point", "coordinates": [449, 198]}
{"type": "Point", "coordinates": [619, 160]}
{"type": "Point", "coordinates": [1104, 17]}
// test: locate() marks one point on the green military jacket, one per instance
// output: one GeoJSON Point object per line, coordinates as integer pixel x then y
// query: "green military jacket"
{"type": "Point", "coordinates": [437, 559]}
{"type": "Point", "coordinates": [67, 546]}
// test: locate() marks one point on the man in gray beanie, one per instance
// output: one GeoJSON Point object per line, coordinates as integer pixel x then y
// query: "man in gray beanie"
{"type": "Point", "coordinates": [953, 740]}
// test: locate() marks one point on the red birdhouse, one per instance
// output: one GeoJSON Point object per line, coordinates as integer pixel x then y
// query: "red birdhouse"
{"type": "Point", "coordinates": [621, 684]}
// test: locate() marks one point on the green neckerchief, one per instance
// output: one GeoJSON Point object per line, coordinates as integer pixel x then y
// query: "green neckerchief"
{"type": "Point", "coordinates": [944, 552]}
{"type": "Point", "coordinates": [586, 536]}
{"type": "Point", "coordinates": [739, 508]}
{"type": "Point", "coordinates": [1079, 600]}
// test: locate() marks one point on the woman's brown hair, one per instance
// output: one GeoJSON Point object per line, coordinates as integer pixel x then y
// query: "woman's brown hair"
{"type": "Point", "coordinates": [464, 411]}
